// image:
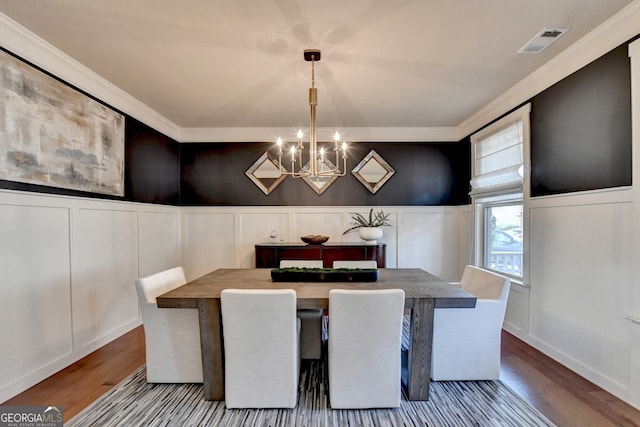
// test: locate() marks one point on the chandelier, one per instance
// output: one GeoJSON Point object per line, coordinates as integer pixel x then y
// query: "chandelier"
{"type": "Point", "coordinates": [319, 164]}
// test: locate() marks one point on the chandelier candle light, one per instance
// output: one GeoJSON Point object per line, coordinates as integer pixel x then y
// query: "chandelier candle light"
{"type": "Point", "coordinates": [319, 165]}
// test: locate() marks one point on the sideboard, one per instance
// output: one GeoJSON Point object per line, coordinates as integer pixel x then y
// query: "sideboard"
{"type": "Point", "coordinates": [268, 255]}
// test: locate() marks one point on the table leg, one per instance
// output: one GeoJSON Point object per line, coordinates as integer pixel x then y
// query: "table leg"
{"type": "Point", "coordinates": [212, 348]}
{"type": "Point", "coordinates": [419, 357]}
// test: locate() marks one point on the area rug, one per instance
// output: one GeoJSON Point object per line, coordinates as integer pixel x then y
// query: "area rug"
{"type": "Point", "coordinates": [133, 402]}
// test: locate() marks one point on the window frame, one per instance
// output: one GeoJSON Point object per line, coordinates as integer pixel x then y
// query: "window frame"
{"type": "Point", "coordinates": [513, 195]}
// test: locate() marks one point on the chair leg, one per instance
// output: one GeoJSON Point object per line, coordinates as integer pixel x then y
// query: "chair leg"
{"type": "Point", "coordinates": [310, 333]}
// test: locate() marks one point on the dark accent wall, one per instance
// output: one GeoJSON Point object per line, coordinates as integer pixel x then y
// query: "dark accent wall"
{"type": "Point", "coordinates": [581, 129]}
{"type": "Point", "coordinates": [153, 160]}
{"type": "Point", "coordinates": [426, 174]}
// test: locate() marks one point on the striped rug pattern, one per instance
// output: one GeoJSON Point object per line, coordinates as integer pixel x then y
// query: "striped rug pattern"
{"type": "Point", "coordinates": [133, 402]}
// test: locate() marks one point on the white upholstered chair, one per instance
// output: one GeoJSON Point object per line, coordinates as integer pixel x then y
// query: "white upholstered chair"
{"type": "Point", "coordinates": [355, 264]}
{"type": "Point", "coordinates": [172, 335]}
{"type": "Point", "coordinates": [466, 341]}
{"type": "Point", "coordinates": [365, 333]}
{"type": "Point", "coordinates": [261, 348]}
{"type": "Point", "coordinates": [309, 263]}
{"type": "Point", "coordinates": [311, 319]}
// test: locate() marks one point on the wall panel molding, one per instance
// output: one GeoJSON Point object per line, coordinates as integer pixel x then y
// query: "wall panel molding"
{"type": "Point", "coordinates": [415, 232]}
{"type": "Point", "coordinates": [67, 271]}
{"type": "Point", "coordinates": [576, 314]}
{"type": "Point", "coordinates": [35, 289]}
{"type": "Point", "coordinates": [634, 54]}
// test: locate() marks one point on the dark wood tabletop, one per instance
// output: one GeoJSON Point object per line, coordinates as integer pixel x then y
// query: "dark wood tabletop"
{"type": "Point", "coordinates": [415, 282]}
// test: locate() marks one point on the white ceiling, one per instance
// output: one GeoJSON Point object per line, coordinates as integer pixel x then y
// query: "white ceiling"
{"type": "Point", "coordinates": [238, 63]}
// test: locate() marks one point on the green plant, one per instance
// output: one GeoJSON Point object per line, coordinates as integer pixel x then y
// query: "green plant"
{"type": "Point", "coordinates": [318, 270]}
{"type": "Point", "coordinates": [379, 219]}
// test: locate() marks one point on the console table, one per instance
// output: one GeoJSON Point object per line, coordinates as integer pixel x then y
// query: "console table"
{"type": "Point", "coordinates": [268, 255]}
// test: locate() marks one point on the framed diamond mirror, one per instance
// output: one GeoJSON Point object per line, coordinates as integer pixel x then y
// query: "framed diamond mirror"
{"type": "Point", "coordinates": [373, 171]}
{"type": "Point", "coordinates": [265, 173]}
{"type": "Point", "coordinates": [319, 184]}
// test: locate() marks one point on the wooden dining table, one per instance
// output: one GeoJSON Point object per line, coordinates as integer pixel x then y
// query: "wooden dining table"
{"type": "Point", "coordinates": [423, 293]}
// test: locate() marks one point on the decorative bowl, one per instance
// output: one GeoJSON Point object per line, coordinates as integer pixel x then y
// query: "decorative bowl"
{"type": "Point", "coordinates": [314, 239]}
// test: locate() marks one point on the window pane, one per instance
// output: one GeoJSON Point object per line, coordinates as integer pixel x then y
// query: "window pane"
{"type": "Point", "coordinates": [503, 251]}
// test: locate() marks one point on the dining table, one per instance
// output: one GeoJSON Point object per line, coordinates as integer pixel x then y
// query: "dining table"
{"type": "Point", "coordinates": [424, 292]}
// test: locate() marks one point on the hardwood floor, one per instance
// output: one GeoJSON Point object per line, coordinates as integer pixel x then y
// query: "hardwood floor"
{"type": "Point", "coordinates": [76, 386]}
{"type": "Point", "coordinates": [564, 397]}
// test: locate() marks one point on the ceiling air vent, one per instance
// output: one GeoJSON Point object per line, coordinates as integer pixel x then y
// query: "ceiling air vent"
{"type": "Point", "coordinates": [542, 40]}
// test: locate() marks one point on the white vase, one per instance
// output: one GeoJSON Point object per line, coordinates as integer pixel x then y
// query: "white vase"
{"type": "Point", "coordinates": [370, 235]}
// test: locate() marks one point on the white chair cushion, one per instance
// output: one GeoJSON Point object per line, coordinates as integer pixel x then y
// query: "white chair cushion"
{"type": "Point", "coordinates": [159, 283]}
{"type": "Point", "coordinates": [172, 335]}
{"type": "Point", "coordinates": [484, 284]}
{"type": "Point", "coordinates": [466, 341]}
{"type": "Point", "coordinates": [355, 264]}
{"type": "Point", "coordinates": [365, 333]}
{"type": "Point", "coordinates": [261, 347]}
{"type": "Point", "coordinates": [309, 263]}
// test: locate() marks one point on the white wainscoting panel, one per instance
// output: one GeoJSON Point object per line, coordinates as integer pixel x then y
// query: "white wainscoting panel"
{"type": "Point", "coordinates": [633, 316]}
{"type": "Point", "coordinates": [516, 319]}
{"type": "Point", "coordinates": [429, 240]}
{"type": "Point", "coordinates": [209, 241]}
{"type": "Point", "coordinates": [581, 287]}
{"type": "Point", "coordinates": [105, 268]}
{"type": "Point", "coordinates": [159, 241]}
{"type": "Point", "coordinates": [35, 292]}
{"type": "Point", "coordinates": [255, 227]}
{"type": "Point", "coordinates": [328, 223]}
{"type": "Point", "coordinates": [224, 237]}
{"type": "Point", "coordinates": [67, 272]}
{"type": "Point", "coordinates": [464, 216]}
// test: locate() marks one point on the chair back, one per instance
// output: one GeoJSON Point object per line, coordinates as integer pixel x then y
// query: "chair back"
{"type": "Point", "coordinates": [466, 341]}
{"type": "Point", "coordinates": [355, 264]}
{"type": "Point", "coordinates": [149, 287]}
{"type": "Point", "coordinates": [485, 284]}
{"type": "Point", "coordinates": [365, 334]}
{"type": "Point", "coordinates": [261, 347]}
{"type": "Point", "coordinates": [172, 335]}
{"type": "Point", "coordinates": [309, 263]}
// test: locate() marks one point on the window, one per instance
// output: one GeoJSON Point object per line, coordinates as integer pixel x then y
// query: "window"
{"type": "Point", "coordinates": [503, 235]}
{"type": "Point", "coordinates": [497, 193]}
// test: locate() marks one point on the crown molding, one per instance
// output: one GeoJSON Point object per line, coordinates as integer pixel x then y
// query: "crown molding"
{"type": "Point", "coordinates": [354, 134]}
{"type": "Point", "coordinates": [27, 45]}
{"type": "Point", "coordinates": [610, 34]}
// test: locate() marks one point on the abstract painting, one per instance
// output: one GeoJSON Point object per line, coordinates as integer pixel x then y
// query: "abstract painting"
{"type": "Point", "coordinates": [53, 135]}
